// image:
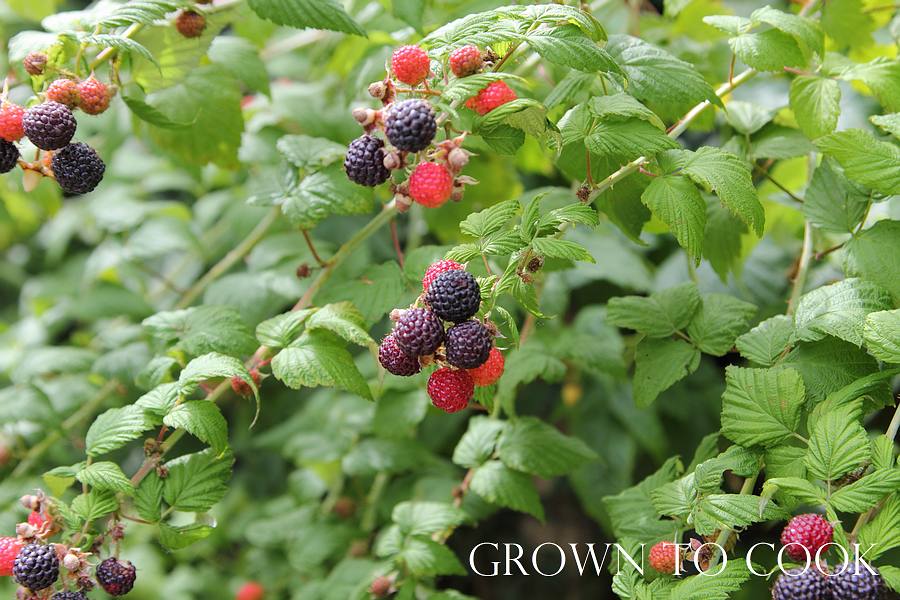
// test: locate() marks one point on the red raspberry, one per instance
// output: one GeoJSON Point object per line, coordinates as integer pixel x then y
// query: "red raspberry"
{"type": "Point", "coordinates": [190, 24]}
{"type": "Point", "coordinates": [381, 586]}
{"type": "Point", "coordinates": [490, 371]}
{"type": "Point", "coordinates": [430, 184]}
{"type": "Point", "coordinates": [663, 556]}
{"type": "Point", "coordinates": [450, 390]}
{"type": "Point", "coordinates": [64, 91]}
{"type": "Point", "coordinates": [9, 550]}
{"type": "Point", "coordinates": [11, 122]}
{"type": "Point", "coordinates": [410, 64]}
{"type": "Point", "coordinates": [494, 95]}
{"type": "Point", "coordinates": [436, 269]}
{"type": "Point", "coordinates": [251, 591]}
{"type": "Point", "coordinates": [465, 61]}
{"type": "Point", "coordinates": [809, 531]}
{"type": "Point", "coordinates": [241, 387]}
{"type": "Point", "coordinates": [94, 96]}
{"type": "Point", "coordinates": [36, 519]}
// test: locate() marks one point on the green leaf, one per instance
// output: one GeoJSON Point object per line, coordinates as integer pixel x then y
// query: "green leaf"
{"type": "Point", "coordinates": [178, 538]}
{"type": "Point", "coordinates": [426, 518]}
{"type": "Point", "coordinates": [660, 364]}
{"type": "Point", "coordinates": [882, 76]}
{"type": "Point", "coordinates": [890, 123]}
{"type": "Point", "coordinates": [196, 482]}
{"type": "Point", "coordinates": [746, 117]}
{"type": "Point", "coordinates": [771, 50]}
{"type": "Point", "coordinates": [281, 330]}
{"type": "Point", "coordinates": [632, 512]}
{"type": "Point", "coordinates": [875, 255]}
{"type": "Point", "coordinates": [829, 365]}
{"type": "Point", "coordinates": [659, 315]}
{"type": "Point", "coordinates": [739, 460]}
{"type": "Point", "coordinates": [477, 445]}
{"type": "Point", "coordinates": [720, 587]}
{"type": "Point", "coordinates": [802, 490]}
{"type": "Point", "coordinates": [490, 220]}
{"type": "Point", "coordinates": [203, 329]}
{"type": "Point", "coordinates": [105, 476]}
{"type": "Point", "coordinates": [568, 46]}
{"type": "Point", "coordinates": [425, 557]}
{"type": "Point", "coordinates": [839, 309]}
{"type": "Point", "coordinates": [722, 238]}
{"type": "Point", "coordinates": [324, 194]}
{"type": "Point", "coordinates": [891, 577]}
{"type": "Point", "coordinates": [676, 202]}
{"type": "Point", "coordinates": [115, 428]}
{"type": "Point", "coordinates": [677, 498]}
{"type": "Point", "coordinates": [816, 102]}
{"type": "Point", "coordinates": [720, 511]}
{"type": "Point", "coordinates": [212, 366]}
{"type": "Point", "coordinates": [728, 23]}
{"type": "Point", "coordinates": [767, 341]}
{"type": "Point", "coordinates": [621, 106]}
{"type": "Point", "coordinates": [203, 420]}
{"type": "Point", "coordinates": [343, 320]}
{"type": "Point", "coordinates": [410, 11]}
{"type": "Point", "coordinates": [525, 114]}
{"type": "Point", "coordinates": [463, 88]}
{"type": "Point", "coordinates": [719, 321]}
{"type": "Point", "coordinates": [318, 359]}
{"type": "Point", "coordinates": [882, 533]}
{"type": "Point", "coordinates": [310, 154]}
{"type": "Point", "coordinates": [148, 497]}
{"type": "Point", "coordinates": [847, 23]}
{"type": "Point", "coordinates": [502, 486]}
{"type": "Point", "coordinates": [729, 177]}
{"type": "Point", "coordinates": [881, 333]}
{"type": "Point", "coordinates": [532, 446]}
{"type": "Point", "coordinates": [121, 43]}
{"type": "Point", "coordinates": [627, 140]}
{"type": "Point", "coordinates": [240, 58]}
{"type": "Point", "coordinates": [138, 11]}
{"type": "Point", "coordinates": [135, 100]}
{"type": "Point", "coordinates": [303, 14]}
{"type": "Point", "coordinates": [865, 159]}
{"type": "Point", "coordinates": [861, 495]}
{"type": "Point", "coordinates": [95, 504]}
{"type": "Point", "coordinates": [161, 399]}
{"type": "Point", "coordinates": [831, 202]}
{"type": "Point", "coordinates": [554, 248]}
{"type": "Point", "coordinates": [837, 444]}
{"type": "Point", "coordinates": [761, 406]}
{"type": "Point", "coordinates": [805, 30]}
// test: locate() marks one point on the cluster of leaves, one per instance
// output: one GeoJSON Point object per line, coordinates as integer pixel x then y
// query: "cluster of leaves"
{"type": "Point", "coordinates": [639, 282]}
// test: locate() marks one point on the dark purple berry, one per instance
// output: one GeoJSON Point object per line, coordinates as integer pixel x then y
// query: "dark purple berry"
{"type": "Point", "coordinates": [364, 162]}
{"type": "Point", "coordinates": [116, 576]}
{"type": "Point", "coordinates": [855, 582]}
{"type": "Point", "coordinates": [454, 296]}
{"type": "Point", "coordinates": [77, 168]}
{"type": "Point", "coordinates": [419, 332]}
{"type": "Point", "coordinates": [468, 345]}
{"type": "Point", "coordinates": [410, 125]}
{"type": "Point", "coordinates": [50, 125]}
{"type": "Point", "coordinates": [36, 567]}
{"type": "Point", "coordinates": [9, 156]}
{"type": "Point", "coordinates": [69, 596]}
{"type": "Point", "coordinates": [800, 584]}
{"type": "Point", "coordinates": [395, 360]}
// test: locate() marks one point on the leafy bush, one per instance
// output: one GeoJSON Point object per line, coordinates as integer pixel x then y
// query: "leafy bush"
{"type": "Point", "coordinates": [681, 222]}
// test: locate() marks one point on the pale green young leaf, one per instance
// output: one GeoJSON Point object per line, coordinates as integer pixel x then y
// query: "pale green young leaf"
{"type": "Point", "coordinates": [203, 420]}
{"type": "Point", "coordinates": [891, 577]}
{"type": "Point", "coordinates": [847, 23]}
{"type": "Point", "coordinates": [881, 332]}
{"type": "Point", "coordinates": [890, 123]}
{"type": "Point", "coordinates": [771, 50]}
{"type": "Point", "coordinates": [500, 485]}
{"type": "Point", "coordinates": [105, 476]}
{"type": "Point", "coordinates": [317, 359]}
{"type": "Point", "coordinates": [767, 341]}
{"type": "Point", "coordinates": [303, 14]}
{"type": "Point", "coordinates": [832, 203]}
{"type": "Point", "coordinates": [675, 201]}
{"type": "Point", "coordinates": [839, 309]}
{"type": "Point", "coordinates": [196, 482]}
{"type": "Point", "coordinates": [281, 330]}
{"type": "Point", "coordinates": [816, 102]}
{"type": "Point", "coordinates": [659, 315]}
{"type": "Point", "coordinates": [746, 117]}
{"type": "Point", "coordinates": [719, 321]}
{"type": "Point", "coordinates": [761, 406]}
{"type": "Point", "coordinates": [837, 444]}
{"type": "Point", "coordinates": [865, 159]}
{"type": "Point", "coordinates": [532, 446]}
{"type": "Point", "coordinates": [805, 30]}
{"type": "Point", "coordinates": [882, 76]}
{"type": "Point", "coordinates": [343, 320]}
{"type": "Point", "coordinates": [115, 428]}
{"type": "Point", "coordinates": [729, 24]}
{"type": "Point", "coordinates": [660, 364]}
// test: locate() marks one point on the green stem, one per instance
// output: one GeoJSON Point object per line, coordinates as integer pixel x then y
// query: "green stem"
{"type": "Point", "coordinates": [229, 260]}
{"type": "Point", "coordinates": [802, 269]}
{"type": "Point", "coordinates": [368, 520]}
{"type": "Point", "coordinates": [725, 534]}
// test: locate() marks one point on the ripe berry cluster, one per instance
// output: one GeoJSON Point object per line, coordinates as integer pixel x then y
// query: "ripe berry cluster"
{"type": "Point", "coordinates": [464, 351]}
{"type": "Point", "coordinates": [39, 566]}
{"type": "Point", "coordinates": [410, 127]}
{"type": "Point", "coordinates": [50, 126]}
{"type": "Point", "coordinates": [844, 582]}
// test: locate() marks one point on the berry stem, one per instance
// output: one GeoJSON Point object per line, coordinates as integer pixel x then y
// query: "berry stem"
{"type": "Point", "coordinates": [229, 260]}
{"type": "Point", "coordinates": [312, 248]}
{"type": "Point", "coordinates": [395, 238]}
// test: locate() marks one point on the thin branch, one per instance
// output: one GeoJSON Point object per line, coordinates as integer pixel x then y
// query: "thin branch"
{"type": "Point", "coordinates": [312, 248]}
{"type": "Point", "coordinates": [802, 269]}
{"type": "Point", "coordinates": [395, 238]}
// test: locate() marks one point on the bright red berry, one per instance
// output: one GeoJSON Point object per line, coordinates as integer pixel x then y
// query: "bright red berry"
{"type": "Point", "coordinates": [430, 184]}
{"type": "Point", "coordinates": [241, 387]}
{"type": "Point", "coordinates": [494, 95]}
{"type": "Point", "coordinates": [36, 519]}
{"type": "Point", "coordinates": [466, 61]}
{"type": "Point", "coordinates": [436, 269]}
{"type": "Point", "coordinates": [251, 590]}
{"type": "Point", "coordinates": [809, 532]}
{"type": "Point", "coordinates": [64, 91]}
{"type": "Point", "coordinates": [490, 371]}
{"type": "Point", "coordinates": [94, 96]}
{"type": "Point", "coordinates": [663, 557]}
{"type": "Point", "coordinates": [410, 64]}
{"type": "Point", "coordinates": [11, 122]}
{"type": "Point", "coordinates": [9, 550]}
{"type": "Point", "coordinates": [450, 390]}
